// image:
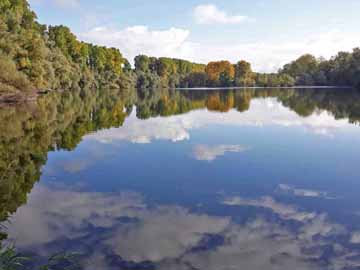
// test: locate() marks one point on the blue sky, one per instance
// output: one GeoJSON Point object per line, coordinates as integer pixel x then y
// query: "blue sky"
{"type": "Point", "coordinates": [268, 33]}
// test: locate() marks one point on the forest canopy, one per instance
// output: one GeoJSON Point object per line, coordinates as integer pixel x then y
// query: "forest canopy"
{"type": "Point", "coordinates": [36, 56]}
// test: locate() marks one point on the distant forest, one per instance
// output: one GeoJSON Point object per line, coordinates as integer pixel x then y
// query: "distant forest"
{"type": "Point", "coordinates": [37, 57]}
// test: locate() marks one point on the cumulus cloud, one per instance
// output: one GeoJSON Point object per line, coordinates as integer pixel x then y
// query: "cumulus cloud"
{"type": "Point", "coordinates": [135, 40]}
{"type": "Point", "coordinates": [265, 56]}
{"type": "Point", "coordinates": [210, 153]}
{"type": "Point", "coordinates": [269, 56]}
{"type": "Point", "coordinates": [211, 14]}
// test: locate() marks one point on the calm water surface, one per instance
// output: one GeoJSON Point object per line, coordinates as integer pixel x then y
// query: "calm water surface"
{"type": "Point", "coordinates": [245, 179]}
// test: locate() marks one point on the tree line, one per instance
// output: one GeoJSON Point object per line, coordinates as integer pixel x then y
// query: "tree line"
{"type": "Point", "coordinates": [155, 72]}
{"type": "Point", "coordinates": [34, 56]}
{"type": "Point", "coordinates": [341, 70]}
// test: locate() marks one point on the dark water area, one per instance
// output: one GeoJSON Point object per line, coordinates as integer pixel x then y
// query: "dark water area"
{"type": "Point", "coordinates": [185, 179]}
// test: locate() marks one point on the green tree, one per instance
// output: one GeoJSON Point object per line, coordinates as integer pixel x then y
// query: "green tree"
{"type": "Point", "coordinates": [142, 63]}
{"type": "Point", "coordinates": [243, 74]}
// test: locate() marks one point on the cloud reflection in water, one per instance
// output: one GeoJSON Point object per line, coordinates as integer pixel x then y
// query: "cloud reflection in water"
{"type": "Point", "coordinates": [210, 153]}
{"type": "Point", "coordinates": [115, 229]}
{"type": "Point", "coordinates": [177, 128]}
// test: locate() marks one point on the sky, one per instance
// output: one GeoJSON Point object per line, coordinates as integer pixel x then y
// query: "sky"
{"type": "Point", "coordinates": [267, 33]}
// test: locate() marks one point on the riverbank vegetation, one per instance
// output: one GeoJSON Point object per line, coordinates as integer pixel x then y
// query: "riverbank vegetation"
{"type": "Point", "coordinates": [37, 57]}
{"type": "Point", "coordinates": [341, 70]}
{"type": "Point", "coordinates": [34, 56]}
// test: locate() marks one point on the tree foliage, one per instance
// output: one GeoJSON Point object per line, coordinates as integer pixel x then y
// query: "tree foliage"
{"type": "Point", "coordinates": [39, 57]}
{"type": "Point", "coordinates": [341, 70]}
{"type": "Point", "coordinates": [244, 75]}
{"type": "Point", "coordinates": [164, 72]}
{"type": "Point", "coordinates": [221, 72]}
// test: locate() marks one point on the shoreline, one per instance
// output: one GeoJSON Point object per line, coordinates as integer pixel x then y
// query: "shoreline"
{"type": "Point", "coordinates": [264, 87]}
{"type": "Point", "coordinates": [20, 97]}
{"type": "Point", "coordinates": [16, 98]}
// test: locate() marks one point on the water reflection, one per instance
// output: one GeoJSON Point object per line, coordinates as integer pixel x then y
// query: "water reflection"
{"type": "Point", "coordinates": [211, 153]}
{"type": "Point", "coordinates": [253, 179]}
{"type": "Point", "coordinates": [304, 192]}
{"type": "Point", "coordinates": [263, 113]}
{"type": "Point", "coordinates": [109, 225]}
{"type": "Point", "coordinates": [118, 230]}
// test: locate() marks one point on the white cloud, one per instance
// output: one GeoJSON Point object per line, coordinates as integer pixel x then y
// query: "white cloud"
{"type": "Point", "coordinates": [210, 153]}
{"type": "Point", "coordinates": [270, 55]}
{"type": "Point", "coordinates": [211, 14]}
{"type": "Point", "coordinates": [267, 56]}
{"type": "Point", "coordinates": [135, 40]}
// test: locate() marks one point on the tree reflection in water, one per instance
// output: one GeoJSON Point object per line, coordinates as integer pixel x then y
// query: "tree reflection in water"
{"type": "Point", "coordinates": [59, 122]}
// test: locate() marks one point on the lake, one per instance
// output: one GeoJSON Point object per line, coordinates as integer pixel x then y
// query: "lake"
{"type": "Point", "coordinates": [186, 179]}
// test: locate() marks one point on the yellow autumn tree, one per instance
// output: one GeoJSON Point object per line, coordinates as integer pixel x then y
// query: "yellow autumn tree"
{"type": "Point", "coordinates": [220, 69]}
